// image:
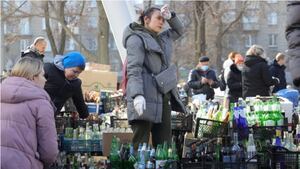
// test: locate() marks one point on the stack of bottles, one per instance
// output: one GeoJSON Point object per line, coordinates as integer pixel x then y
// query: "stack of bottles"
{"type": "Point", "coordinates": [79, 161]}
{"type": "Point", "coordinates": [241, 151]}
{"type": "Point", "coordinates": [223, 151]}
{"type": "Point", "coordinates": [257, 113]}
{"type": "Point", "coordinates": [212, 111]}
{"type": "Point", "coordinates": [146, 157]}
{"type": "Point", "coordinates": [86, 138]}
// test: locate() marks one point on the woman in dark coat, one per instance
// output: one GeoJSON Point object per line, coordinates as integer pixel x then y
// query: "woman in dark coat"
{"type": "Point", "coordinates": [63, 83]}
{"type": "Point", "coordinates": [234, 79]}
{"type": "Point", "coordinates": [257, 79]}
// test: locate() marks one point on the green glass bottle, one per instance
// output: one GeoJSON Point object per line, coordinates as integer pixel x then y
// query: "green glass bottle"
{"type": "Point", "coordinates": [159, 159]}
{"type": "Point", "coordinates": [114, 154]}
{"type": "Point", "coordinates": [218, 149]}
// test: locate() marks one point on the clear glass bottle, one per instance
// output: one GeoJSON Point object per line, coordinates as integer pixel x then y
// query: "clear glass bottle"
{"type": "Point", "coordinates": [235, 149]}
{"type": "Point", "coordinates": [251, 148]}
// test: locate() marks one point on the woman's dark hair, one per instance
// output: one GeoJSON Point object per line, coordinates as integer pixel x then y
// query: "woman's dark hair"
{"type": "Point", "coordinates": [148, 12]}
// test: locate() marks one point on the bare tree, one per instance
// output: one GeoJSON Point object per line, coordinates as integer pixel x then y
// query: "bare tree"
{"type": "Point", "coordinates": [103, 35]}
{"type": "Point", "coordinates": [217, 11]}
{"type": "Point", "coordinates": [56, 11]}
{"type": "Point", "coordinates": [200, 34]}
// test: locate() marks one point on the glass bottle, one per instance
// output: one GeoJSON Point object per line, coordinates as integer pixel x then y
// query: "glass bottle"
{"type": "Point", "coordinates": [235, 149]}
{"type": "Point", "coordinates": [251, 148]}
{"type": "Point", "coordinates": [159, 161]}
{"type": "Point", "coordinates": [218, 149]}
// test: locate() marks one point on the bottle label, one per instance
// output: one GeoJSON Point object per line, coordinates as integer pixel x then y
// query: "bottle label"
{"type": "Point", "coordinates": [269, 123]}
{"type": "Point", "coordinates": [160, 164]}
{"type": "Point", "coordinates": [280, 122]}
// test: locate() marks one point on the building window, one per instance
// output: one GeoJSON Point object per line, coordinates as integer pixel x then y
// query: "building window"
{"type": "Point", "coordinates": [229, 4]}
{"type": "Point", "coordinates": [92, 44]}
{"type": "Point", "coordinates": [272, 18]}
{"type": "Point", "coordinates": [92, 22]}
{"type": "Point", "coordinates": [48, 47]}
{"type": "Point", "coordinates": [71, 44]}
{"type": "Point", "coordinates": [43, 23]}
{"type": "Point", "coordinates": [111, 44]}
{"type": "Point", "coordinates": [24, 26]}
{"type": "Point", "coordinates": [249, 40]}
{"type": "Point", "coordinates": [228, 17]}
{"type": "Point", "coordinates": [272, 40]}
{"type": "Point", "coordinates": [24, 43]}
{"type": "Point", "coordinates": [159, 2]}
{"type": "Point", "coordinates": [4, 28]}
{"type": "Point", "coordinates": [250, 22]}
{"type": "Point", "coordinates": [253, 5]}
{"type": "Point", "coordinates": [272, 1]}
{"type": "Point", "coordinates": [93, 4]}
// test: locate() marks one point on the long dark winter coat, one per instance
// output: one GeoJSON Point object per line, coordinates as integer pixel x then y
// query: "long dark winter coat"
{"type": "Point", "coordinates": [278, 71]}
{"type": "Point", "coordinates": [256, 76]}
{"type": "Point", "coordinates": [234, 82]}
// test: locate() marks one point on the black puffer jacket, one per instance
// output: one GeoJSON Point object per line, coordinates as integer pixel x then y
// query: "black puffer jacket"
{"type": "Point", "coordinates": [293, 40]}
{"type": "Point", "coordinates": [256, 76]}
{"type": "Point", "coordinates": [278, 71]}
{"type": "Point", "coordinates": [234, 82]}
{"type": "Point", "coordinates": [60, 89]}
{"type": "Point", "coordinates": [194, 82]}
{"type": "Point", "coordinates": [31, 53]}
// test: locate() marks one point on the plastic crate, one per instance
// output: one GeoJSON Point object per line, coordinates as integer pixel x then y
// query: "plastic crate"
{"type": "Point", "coordinates": [205, 164]}
{"type": "Point", "coordinates": [266, 132]}
{"type": "Point", "coordinates": [182, 123]}
{"type": "Point", "coordinates": [118, 123]}
{"type": "Point", "coordinates": [280, 157]}
{"type": "Point", "coordinates": [210, 128]}
{"type": "Point", "coordinates": [70, 145]}
{"type": "Point", "coordinates": [60, 123]}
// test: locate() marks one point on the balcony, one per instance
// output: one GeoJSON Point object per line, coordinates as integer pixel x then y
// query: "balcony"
{"type": "Point", "coordinates": [250, 26]}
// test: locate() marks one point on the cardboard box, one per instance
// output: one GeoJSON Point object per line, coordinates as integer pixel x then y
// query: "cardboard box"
{"type": "Point", "coordinates": [107, 139]}
{"type": "Point", "coordinates": [98, 80]}
{"type": "Point", "coordinates": [97, 66]}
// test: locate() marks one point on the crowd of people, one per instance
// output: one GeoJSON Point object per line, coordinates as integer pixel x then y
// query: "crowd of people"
{"type": "Point", "coordinates": [34, 92]}
{"type": "Point", "coordinates": [243, 77]}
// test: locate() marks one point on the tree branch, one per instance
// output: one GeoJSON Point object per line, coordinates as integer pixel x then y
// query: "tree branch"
{"type": "Point", "coordinates": [48, 29]}
{"type": "Point", "coordinates": [3, 18]}
{"type": "Point", "coordinates": [63, 32]}
{"type": "Point", "coordinates": [242, 11]}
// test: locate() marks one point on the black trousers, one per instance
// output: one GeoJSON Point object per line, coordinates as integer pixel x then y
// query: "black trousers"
{"type": "Point", "coordinates": [160, 131]}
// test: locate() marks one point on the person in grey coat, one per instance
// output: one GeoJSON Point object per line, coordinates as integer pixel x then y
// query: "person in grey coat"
{"type": "Point", "coordinates": [293, 39]}
{"type": "Point", "coordinates": [149, 50]}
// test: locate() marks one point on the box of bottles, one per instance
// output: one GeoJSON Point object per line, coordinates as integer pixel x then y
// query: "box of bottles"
{"type": "Point", "coordinates": [82, 145]}
{"type": "Point", "coordinates": [125, 137]}
{"type": "Point", "coordinates": [181, 122]}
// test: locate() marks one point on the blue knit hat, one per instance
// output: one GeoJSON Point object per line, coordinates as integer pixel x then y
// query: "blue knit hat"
{"type": "Point", "coordinates": [74, 59]}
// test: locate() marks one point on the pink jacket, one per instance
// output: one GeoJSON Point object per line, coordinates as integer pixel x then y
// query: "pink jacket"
{"type": "Point", "coordinates": [28, 133]}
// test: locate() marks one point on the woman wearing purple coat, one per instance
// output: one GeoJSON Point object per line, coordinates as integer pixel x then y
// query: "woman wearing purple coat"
{"type": "Point", "coordinates": [28, 133]}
